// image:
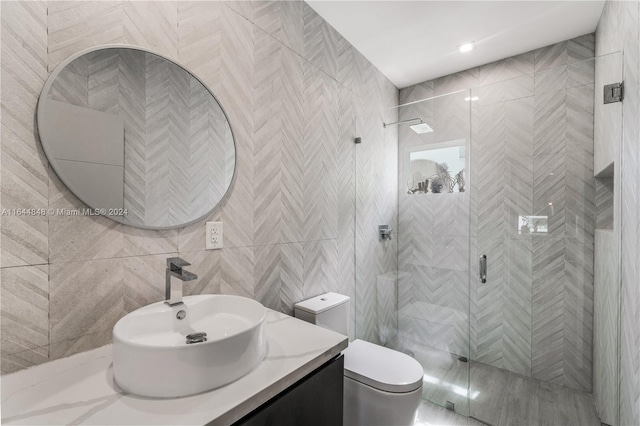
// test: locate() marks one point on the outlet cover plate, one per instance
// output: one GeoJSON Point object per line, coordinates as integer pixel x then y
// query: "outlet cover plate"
{"type": "Point", "coordinates": [214, 236]}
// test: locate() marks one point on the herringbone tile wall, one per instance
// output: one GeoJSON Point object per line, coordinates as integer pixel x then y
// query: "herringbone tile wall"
{"type": "Point", "coordinates": [531, 154]}
{"type": "Point", "coordinates": [434, 236]}
{"type": "Point", "coordinates": [292, 88]}
{"type": "Point", "coordinates": [376, 204]}
{"type": "Point", "coordinates": [619, 31]}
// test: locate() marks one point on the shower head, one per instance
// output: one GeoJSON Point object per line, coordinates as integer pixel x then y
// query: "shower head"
{"type": "Point", "coordinates": [419, 128]}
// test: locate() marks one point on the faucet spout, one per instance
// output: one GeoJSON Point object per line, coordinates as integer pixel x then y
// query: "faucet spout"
{"type": "Point", "coordinates": [175, 275]}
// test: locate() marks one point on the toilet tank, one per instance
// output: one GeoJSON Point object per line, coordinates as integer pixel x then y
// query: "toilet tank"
{"type": "Point", "coordinates": [329, 310]}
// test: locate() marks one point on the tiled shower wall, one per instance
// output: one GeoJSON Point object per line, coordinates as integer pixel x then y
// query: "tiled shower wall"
{"type": "Point", "coordinates": [619, 30]}
{"type": "Point", "coordinates": [434, 232]}
{"type": "Point", "coordinates": [292, 88]}
{"type": "Point", "coordinates": [531, 145]}
{"type": "Point", "coordinates": [376, 204]}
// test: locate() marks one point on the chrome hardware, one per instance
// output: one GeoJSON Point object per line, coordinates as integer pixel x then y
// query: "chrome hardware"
{"type": "Point", "coordinates": [175, 275]}
{"type": "Point", "coordinates": [385, 232]}
{"type": "Point", "coordinates": [196, 338]}
{"type": "Point", "coordinates": [483, 268]}
{"type": "Point", "coordinates": [613, 93]}
{"type": "Point", "coordinates": [384, 125]}
{"type": "Point", "coordinates": [181, 315]}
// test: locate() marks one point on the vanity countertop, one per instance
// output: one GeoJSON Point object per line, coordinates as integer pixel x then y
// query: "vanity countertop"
{"type": "Point", "coordinates": [80, 389]}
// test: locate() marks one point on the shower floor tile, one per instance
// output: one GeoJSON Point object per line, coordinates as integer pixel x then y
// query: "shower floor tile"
{"type": "Point", "coordinates": [432, 414]}
{"type": "Point", "coordinates": [497, 397]}
{"type": "Point", "coordinates": [445, 377]}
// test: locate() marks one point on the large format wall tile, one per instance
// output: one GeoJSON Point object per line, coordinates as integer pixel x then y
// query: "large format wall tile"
{"type": "Point", "coordinates": [531, 154]}
{"type": "Point", "coordinates": [348, 107]}
{"type": "Point", "coordinates": [76, 25]}
{"type": "Point", "coordinates": [605, 321]}
{"type": "Point", "coordinates": [580, 183]}
{"type": "Point", "coordinates": [85, 297]}
{"type": "Point", "coordinates": [143, 241]}
{"type": "Point", "coordinates": [86, 342]}
{"type": "Point", "coordinates": [152, 24]}
{"type": "Point", "coordinates": [517, 300]}
{"type": "Point", "coordinates": [200, 39]}
{"type": "Point", "coordinates": [320, 42]}
{"type": "Point", "coordinates": [279, 185]}
{"type": "Point", "coordinates": [282, 20]}
{"type": "Point", "coordinates": [291, 88]}
{"type": "Point", "coordinates": [79, 237]}
{"type": "Point", "coordinates": [489, 314]}
{"type": "Point", "coordinates": [279, 276]}
{"type": "Point", "coordinates": [320, 139]}
{"type": "Point", "coordinates": [267, 128]}
{"type": "Point", "coordinates": [236, 272]}
{"type": "Point", "coordinates": [490, 182]}
{"type": "Point", "coordinates": [578, 313]}
{"type": "Point", "coordinates": [236, 96]}
{"type": "Point", "coordinates": [548, 309]}
{"type": "Point", "coordinates": [507, 69]}
{"type": "Point", "coordinates": [24, 168]}
{"type": "Point", "coordinates": [267, 276]}
{"type": "Point", "coordinates": [25, 316]}
{"type": "Point", "coordinates": [320, 260]}
{"type": "Point", "coordinates": [618, 31]}
{"type": "Point", "coordinates": [144, 280]}
{"type": "Point", "coordinates": [207, 266]}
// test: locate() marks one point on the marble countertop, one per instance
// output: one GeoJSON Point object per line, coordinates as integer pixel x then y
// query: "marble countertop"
{"type": "Point", "coordinates": [80, 389]}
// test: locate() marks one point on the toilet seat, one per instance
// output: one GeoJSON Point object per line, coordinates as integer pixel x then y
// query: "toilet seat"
{"type": "Point", "coordinates": [382, 368]}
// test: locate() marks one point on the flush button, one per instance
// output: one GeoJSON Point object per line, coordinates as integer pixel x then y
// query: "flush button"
{"type": "Point", "coordinates": [324, 299]}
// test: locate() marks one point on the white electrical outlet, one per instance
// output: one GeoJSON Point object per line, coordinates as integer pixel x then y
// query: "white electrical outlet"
{"type": "Point", "coordinates": [214, 236]}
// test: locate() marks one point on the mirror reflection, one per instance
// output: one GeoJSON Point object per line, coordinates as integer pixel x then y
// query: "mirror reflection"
{"type": "Point", "coordinates": [137, 137]}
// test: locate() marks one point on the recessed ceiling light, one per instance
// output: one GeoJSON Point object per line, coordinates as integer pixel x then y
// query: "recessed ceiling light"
{"type": "Point", "coordinates": [472, 99]}
{"type": "Point", "coordinates": [467, 47]}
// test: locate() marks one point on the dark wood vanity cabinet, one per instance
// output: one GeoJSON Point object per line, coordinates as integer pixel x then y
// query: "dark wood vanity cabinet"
{"type": "Point", "coordinates": [314, 400]}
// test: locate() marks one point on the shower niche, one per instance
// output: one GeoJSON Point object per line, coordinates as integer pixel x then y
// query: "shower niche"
{"type": "Point", "coordinates": [438, 168]}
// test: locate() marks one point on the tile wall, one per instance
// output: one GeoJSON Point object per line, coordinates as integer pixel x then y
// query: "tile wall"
{"type": "Point", "coordinates": [531, 154]}
{"type": "Point", "coordinates": [619, 31]}
{"type": "Point", "coordinates": [292, 87]}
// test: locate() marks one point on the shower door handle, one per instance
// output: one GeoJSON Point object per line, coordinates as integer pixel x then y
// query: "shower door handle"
{"type": "Point", "coordinates": [483, 268]}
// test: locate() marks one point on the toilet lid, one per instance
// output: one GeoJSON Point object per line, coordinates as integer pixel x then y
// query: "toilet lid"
{"type": "Point", "coordinates": [382, 368]}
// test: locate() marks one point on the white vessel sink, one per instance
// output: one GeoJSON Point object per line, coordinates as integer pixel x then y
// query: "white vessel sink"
{"type": "Point", "coordinates": [151, 356]}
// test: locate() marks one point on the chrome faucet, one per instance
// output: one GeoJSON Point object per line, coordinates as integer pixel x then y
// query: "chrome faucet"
{"type": "Point", "coordinates": [175, 276]}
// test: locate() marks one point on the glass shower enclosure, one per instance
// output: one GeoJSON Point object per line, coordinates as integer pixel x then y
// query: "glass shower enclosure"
{"type": "Point", "coordinates": [488, 276]}
{"type": "Point", "coordinates": [417, 300]}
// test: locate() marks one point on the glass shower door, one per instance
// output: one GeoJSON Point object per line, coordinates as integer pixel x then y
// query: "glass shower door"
{"type": "Point", "coordinates": [535, 219]}
{"type": "Point", "coordinates": [434, 240]}
{"type": "Point", "coordinates": [505, 171]}
{"type": "Point", "coordinates": [417, 302]}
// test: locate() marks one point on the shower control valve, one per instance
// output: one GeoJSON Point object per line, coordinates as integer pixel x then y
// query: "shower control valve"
{"type": "Point", "coordinates": [385, 232]}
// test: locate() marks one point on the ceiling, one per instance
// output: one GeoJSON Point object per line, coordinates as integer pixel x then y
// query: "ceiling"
{"type": "Point", "coordinates": [415, 41]}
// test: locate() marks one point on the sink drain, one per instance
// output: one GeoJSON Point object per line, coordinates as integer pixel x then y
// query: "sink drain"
{"type": "Point", "coordinates": [196, 338]}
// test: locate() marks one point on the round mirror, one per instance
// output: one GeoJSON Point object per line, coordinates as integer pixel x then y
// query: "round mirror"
{"type": "Point", "coordinates": [136, 137]}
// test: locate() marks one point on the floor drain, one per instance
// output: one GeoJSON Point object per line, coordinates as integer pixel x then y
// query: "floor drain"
{"type": "Point", "coordinates": [463, 359]}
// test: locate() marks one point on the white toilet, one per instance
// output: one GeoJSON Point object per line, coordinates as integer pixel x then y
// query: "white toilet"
{"type": "Point", "coordinates": [381, 386]}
